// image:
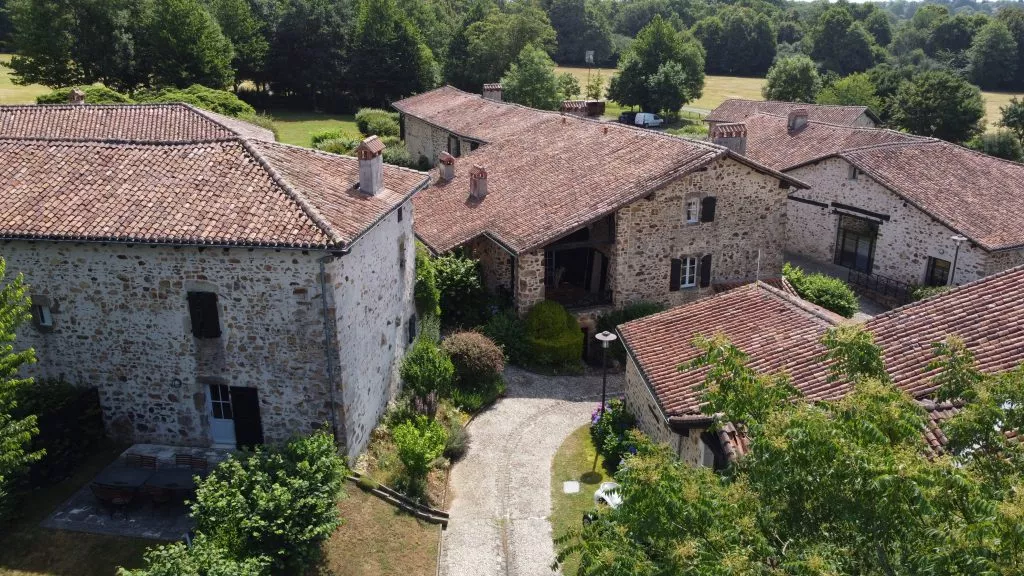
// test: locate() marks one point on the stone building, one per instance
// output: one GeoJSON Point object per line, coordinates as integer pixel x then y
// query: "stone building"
{"type": "Point", "coordinates": [586, 213]}
{"type": "Point", "coordinates": [218, 289]}
{"type": "Point", "coordinates": [892, 209]}
{"type": "Point", "coordinates": [781, 333]}
{"type": "Point", "coordinates": [738, 110]}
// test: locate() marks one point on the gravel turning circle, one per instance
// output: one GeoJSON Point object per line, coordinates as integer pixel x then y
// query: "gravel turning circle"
{"type": "Point", "coordinates": [500, 492]}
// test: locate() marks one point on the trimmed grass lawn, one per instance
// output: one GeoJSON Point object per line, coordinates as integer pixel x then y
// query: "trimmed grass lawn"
{"type": "Point", "coordinates": [10, 93]}
{"type": "Point", "coordinates": [295, 127]}
{"type": "Point", "coordinates": [576, 459]}
{"type": "Point", "coordinates": [993, 100]}
{"type": "Point", "coordinates": [378, 539]}
{"type": "Point", "coordinates": [27, 549]}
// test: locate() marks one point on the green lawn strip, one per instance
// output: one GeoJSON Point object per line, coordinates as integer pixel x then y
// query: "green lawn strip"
{"type": "Point", "coordinates": [11, 93]}
{"type": "Point", "coordinates": [576, 459]}
{"type": "Point", "coordinates": [28, 549]}
{"type": "Point", "coordinates": [295, 127]}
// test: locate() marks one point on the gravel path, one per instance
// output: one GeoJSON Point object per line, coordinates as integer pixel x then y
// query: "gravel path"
{"type": "Point", "coordinates": [500, 492]}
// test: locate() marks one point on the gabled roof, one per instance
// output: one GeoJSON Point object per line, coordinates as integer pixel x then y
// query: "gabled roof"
{"type": "Point", "coordinates": [736, 110]}
{"type": "Point", "coordinates": [171, 174]}
{"type": "Point", "coordinates": [548, 173]}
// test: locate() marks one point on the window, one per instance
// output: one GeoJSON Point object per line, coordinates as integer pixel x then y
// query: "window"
{"type": "Point", "coordinates": [400, 213]}
{"type": "Point", "coordinates": [401, 254]}
{"type": "Point", "coordinates": [937, 273]}
{"type": "Point", "coordinates": [412, 328]}
{"type": "Point", "coordinates": [43, 315]}
{"type": "Point", "coordinates": [684, 273]}
{"type": "Point", "coordinates": [854, 172]}
{"type": "Point", "coordinates": [220, 400]}
{"type": "Point", "coordinates": [202, 309]}
{"type": "Point", "coordinates": [454, 146]}
{"type": "Point", "coordinates": [693, 210]}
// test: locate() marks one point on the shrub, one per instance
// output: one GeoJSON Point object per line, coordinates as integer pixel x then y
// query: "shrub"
{"type": "Point", "coordinates": [457, 444]}
{"type": "Point", "coordinates": [204, 558]}
{"type": "Point", "coordinates": [922, 292]}
{"type": "Point", "coordinates": [426, 369]}
{"type": "Point", "coordinates": [93, 95]}
{"type": "Point", "coordinates": [280, 503]}
{"type": "Point", "coordinates": [374, 121]}
{"type": "Point", "coordinates": [554, 336]}
{"type": "Point", "coordinates": [399, 156]}
{"type": "Point", "coordinates": [419, 443]}
{"type": "Point", "coordinates": [608, 432]}
{"type": "Point", "coordinates": [1001, 144]}
{"type": "Point", "coordinates": [425, 292]}
{"type": "Point", "coordinates": [477, 359]}
{"type": "Point", "coordinates": [474, 400]}
{"type": "Point", "coordinates": [320, 136]}
{"type": "Point", "coordinates": [825, 291]}
{"type": "Point", "coordinates": [509, 331]}
{"type": "Point", "coordinates": [608, 322]}
{"type": "Point", "coordinates": [462, 291]}
{"type": "Point", "coordinates": [342, 146]}
{"type": "Point", "coordinates": [219, 101]}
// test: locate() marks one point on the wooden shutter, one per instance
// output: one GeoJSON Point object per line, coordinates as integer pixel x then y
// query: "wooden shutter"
{"type": "Point", "coordinates": [673, 280]}
{"type": "Point", "coordinates": [705, 271]}
{"type": "Point", "coordinates": [202, 308]}
{"type": "Point", "coordinates": [707, 209]}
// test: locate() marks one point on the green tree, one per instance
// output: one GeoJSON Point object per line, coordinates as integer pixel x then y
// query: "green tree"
{"type": "Point", "coordinates": [15, 432]}
{"type": "Point", "coordinates": [879, 26]}
{"type": "Point", "coordinates": [663, 70]}
{"type": "Point", "coordinates": [427, 370]}
{"type": "Point", "coordinates": [5, 27]}
{"type": "Point", "coordinates": [307, 58]}
{"type": "Point", "coordinates": [457, 69]}
{"type": "Point", "coordinates": [1000, 143]}
{"type": "Point", "coordinates": [186, 46]}
{"type": "Point", "coordinates": [531, 80]}
{"type": "Point", "coordinates": [1013, 17]}
{"type": "Point", "coordinates": [245, 31]}
{"type": "Point", "coordinates": [939, 104]}
{"type": "Point", "coordinates": [853, 90]}
{"type": "Point", "coordinates": [793, 79]}
{"type": "Point", "coordinates": [738, 41]}
{"type": "Point", "coordinates": [497, 40]}
{"type": "Point", "coordinates": [993, 57]}
{"type": "Point", "coordinates": [632, 17]}
{"type": "Point", "coordinates": [580, 27]}
{"type": "Point", "coordinates": [203, 558]}
{"type": "Point", "coordinates": [1012, 118]}
{"type": "Point", "coordinates": [568, 86]}
{"type": "Point", "coordinates": [840, 44]}
{"type": "Point", "coordinates": [951, 35]}
{"type": "Point", "coordinates": [595, 87]}
{"type": "Point", "coordinates": [402, 63]}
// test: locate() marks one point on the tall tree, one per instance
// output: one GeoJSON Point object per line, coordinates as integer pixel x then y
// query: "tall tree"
{"type": "Point", "coordinates": [497, 40]}
{"type": "Point", "coordinates": [840, 44]}
{"type": "Point", "coordinates": [531, 80]}
{"type": "Point", "coordinates": [15, 431]}
{"type": "Point", "coordinates": [633, 16]}
{"type": "Point", "coordinates": [1013, 17]}
{"type": "Point", "coordinates": [307, 58]}
{"type": "Point", "coordinates": [663, 69]}
{"type": "Point", "coordinates": [244, 29]}
{"type": "Point", "coordinates": [993, 57]}
{"type": "Point", "coordinates": [738, 41]}
{"type": "Point", "coordinates": [793, 79]}
{"type": "Point", "coordinates": [186, 46]}
{"type": "Point", "coordinates": [879, 26]}
{"type": "Point", "coordinates": [939, 104]}
{"type": "Point", "coordinates": [388, 61]}
{"type": "Point", "coordinates": [436, 20]}
{"type": "Point", "coordinates": [580, 27]}
{"type": "Point", "coordinates": [457, 69]}
{"type": "Point", "coordinates": [1012, 118]}
{"type": "Point", "coordinates": [5, 26]}
{"type": "Point", "coordinates": [853, 90]}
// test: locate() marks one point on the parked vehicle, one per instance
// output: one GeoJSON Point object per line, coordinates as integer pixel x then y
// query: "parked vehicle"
{"type": "Point", "coordinates": [627, 118]}
{"type": "Point", "coordinates": [648, 120]}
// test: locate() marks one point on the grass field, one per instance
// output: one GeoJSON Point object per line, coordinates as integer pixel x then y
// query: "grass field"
{"type": "Point", "coordinates": [11, 93]}
{"type": "Point", "coordinates": [993, 100]}
{"type": "Point", "coordinates": [576, 459]}
{"type": "Point", "coordinates": [296, 127]}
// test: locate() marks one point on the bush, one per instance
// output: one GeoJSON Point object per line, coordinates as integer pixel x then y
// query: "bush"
{"type": "Point", "coordinates": [93, 95]}
{"type": "Point", "coordinates": [462, 291]}
{"type": "Point", "coordinates": [426, 369]}
{"type": "Point", "coordinates": [399, 156]}
{"type": "Point", "coordinates": [340, 146]}
{"type": "Point", "coordinates": [608, 432]}
{"type": "Point", "coordinates": [1002, 144]}
{"type": "Point", "coordinates": [219, 101]}
{"type": "Point", "coordinates": [475, 400]}
{"type": "Point", "coordinates": [318, 137]}
{"type": "Point", "coordinates": [425, 292]}
{"type": "Point", "coordinates": [457, 443]}
{"type": "Point", "coordinates": [554, 336]}
{"type": "Point", "coordinates": [204, 558]}
{"type": "Point", "coordinates": [374, 121]}
{"type": "Point", "coordinates": [280, 503]}
{"type": "Point", "coordinates": [922, 292]}
{"type": "Point", "coordinates": [508, 330]}
{"type": "Point", "coordinates": [419, 443]}
{"type": "Point", "coordinates": [608, 322]}
{"type": "Point", "coordinates": [825, 291]}
{"type": "Point", "coordinates": [477, 359]}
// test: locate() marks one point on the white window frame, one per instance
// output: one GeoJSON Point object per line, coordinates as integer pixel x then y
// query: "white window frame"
{"type": "Point", "coordinates": [692, 210]}
{"type": "Point", "coordinates": [688, 271]}
{"type": "Point", "coordinates": [44, 316]}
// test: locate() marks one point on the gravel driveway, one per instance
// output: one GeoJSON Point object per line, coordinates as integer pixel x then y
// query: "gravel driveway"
{"type": "Point", "coordinates": [500, 492]}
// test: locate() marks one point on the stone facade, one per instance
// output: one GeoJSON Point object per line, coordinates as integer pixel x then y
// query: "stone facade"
{"type": "Point", "coordinates": [426, 140]}
{"type": "Point", "coordinates": [529, 280]}
{"type": "Point", "coordinates": [496, 264]}
{"type": "Point", "coordinates": [905, 240]}
{"type": "Point", "coordinates": [121, 322]}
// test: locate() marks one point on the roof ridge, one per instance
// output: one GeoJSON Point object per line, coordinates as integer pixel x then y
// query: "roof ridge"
{"type": "Point", "coordinates": [948, 293]}
{"type": "Point", "coordinates": [915, 142]}
{"type": "Point", "coordinates": [843, 126]}
{"type": "Point", "coordinates": [86, 105]}
{"type": "Point", "coordinates": [201, 113]}
{"type": "Point", "coordinates": [304, 204]}
{"type": "Point", "coordinates": [117, 141]}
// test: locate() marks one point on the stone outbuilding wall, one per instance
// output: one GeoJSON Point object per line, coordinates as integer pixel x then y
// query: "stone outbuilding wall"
{"type": "Point", "coordinates": [424, 139]}
{"type": "Point", "coordinates": [906, 238]}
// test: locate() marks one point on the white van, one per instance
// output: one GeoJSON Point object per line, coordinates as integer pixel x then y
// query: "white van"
{"type": "Point", "coordinates": [648, 120]}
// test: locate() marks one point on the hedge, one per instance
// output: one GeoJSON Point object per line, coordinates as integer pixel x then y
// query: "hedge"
{"type": "Point", "coordinates": [825, 291]}
{"type": "Point", "coordinates": [553, 335]}
{"type": "Point", "coordinates": [374, 121]}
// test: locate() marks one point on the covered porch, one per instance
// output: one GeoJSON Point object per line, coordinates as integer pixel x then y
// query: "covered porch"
{"type": "Point", "coordinates": [578, 267]}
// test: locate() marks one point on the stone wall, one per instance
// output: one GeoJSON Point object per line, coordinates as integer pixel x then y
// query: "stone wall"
{"type": "Point", "coordinates": [529, 280]}
{"type": "Point", "coordinates": [905, 241]}
{"type": "Point", "coordinates": [373, 293]}
{"type": "Point", "coordinates": [423, 139]}
{"type": "Point", "coordinates": [121, 323]}
{"type": "Point", "coordinates": [495, 264]}
{"type": "Point", "coordinates": [750, 216]}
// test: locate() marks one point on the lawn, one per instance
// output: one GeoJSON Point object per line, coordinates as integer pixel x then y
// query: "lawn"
{"type": "Point", "coordinates": [27, 549]}
{"type": "Point", "coordinates": [10, 93]}
{"type": "Point", "coordinates": [993, 100]}
{"type": "Point", "coordinates": [378, 539]}
{"type": "Point", "coordinates": [576, 459]}
{"type": "Point", "coordinates": [295, 127]}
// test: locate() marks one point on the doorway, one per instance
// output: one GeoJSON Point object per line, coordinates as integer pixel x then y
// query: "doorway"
{"type": "Point", "coordinates": [855, 243]}
{"type": "Point", "coordinates": [234, 416]}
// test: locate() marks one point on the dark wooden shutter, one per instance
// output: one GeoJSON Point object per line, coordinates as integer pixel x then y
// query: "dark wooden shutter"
{"type": "Point", "coordinates": [245, 404]}
{"type": "Point", "coordinates": [412, 329]}
{"type": "Point", "coordinates": [202, 308]}
{"type": "Point", "coordinates": [707, 209]}
{"type": "Point", "coordinates": [673, 280]}
{"type": "Point", "coordinates": [705, 271]}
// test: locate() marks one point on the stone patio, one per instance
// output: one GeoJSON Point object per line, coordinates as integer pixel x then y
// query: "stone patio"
{"type": "Point", "coordinates": [168, 521]}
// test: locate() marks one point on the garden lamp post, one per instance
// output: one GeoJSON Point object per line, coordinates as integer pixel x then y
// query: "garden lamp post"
{"type": "Point", "coordinates": [606, 339]}
{"type": "Point", "coordinates": [958, 239]}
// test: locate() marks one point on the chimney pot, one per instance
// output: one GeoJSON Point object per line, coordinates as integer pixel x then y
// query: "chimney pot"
{"type": "Point", "coordinates": [446, 166]}
{"type": "Point", "coordinates": [76, 96]}
{"type": "Point", "coordinates": [797, 119]}
{"type": "Point", "coordinates": [492, 92]}
{"type": "Point", "coordinates": [477, 182]}
{"type": "Point", "coordinates": [371, 165]}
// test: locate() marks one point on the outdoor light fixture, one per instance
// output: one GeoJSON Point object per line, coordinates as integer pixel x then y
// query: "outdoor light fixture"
{"type": "Point", "coordinates": [958, 239]}
{"type": "Point", "coordinates": [606, 339]}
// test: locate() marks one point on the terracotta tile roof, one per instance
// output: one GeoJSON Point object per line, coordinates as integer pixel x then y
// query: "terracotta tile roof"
{"type": "Point", "coordinates": [168, 174]}
{"type": "Point", "coordinates": [548, 173]}
{"type": "Point", "coordinates": [770, 142]}
{"type": "Point", "coordinates": [937, 413]}
{"type": "Point", "coordinates": [240, 127]}
{"type": "Point", "coordinates": [736, 110]}
{"type": "Point", "coordinates": [779, 333]}
{"type": "Point", "coordinates": [977, 195]}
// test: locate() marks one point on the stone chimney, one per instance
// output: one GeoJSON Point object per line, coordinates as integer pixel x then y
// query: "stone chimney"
{"type": "Point", "coordinates": [477, 182]}
{"type": "Point", "coordinates": [446, 166]}
{"type": "Point", "coordinates": [732, 135]}
{"type": "Point", "coordinates": [76, 96]}
{"type": "Point", "coordinates": [797, 119]}
{"type": "Point", "coordinates": [371, 165]}
{"type": "Point", "coordinates": [492, 92]}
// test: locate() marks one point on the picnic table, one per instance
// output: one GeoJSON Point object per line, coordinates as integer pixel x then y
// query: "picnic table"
{"type": "Point", "coordinates": [123, 477]}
